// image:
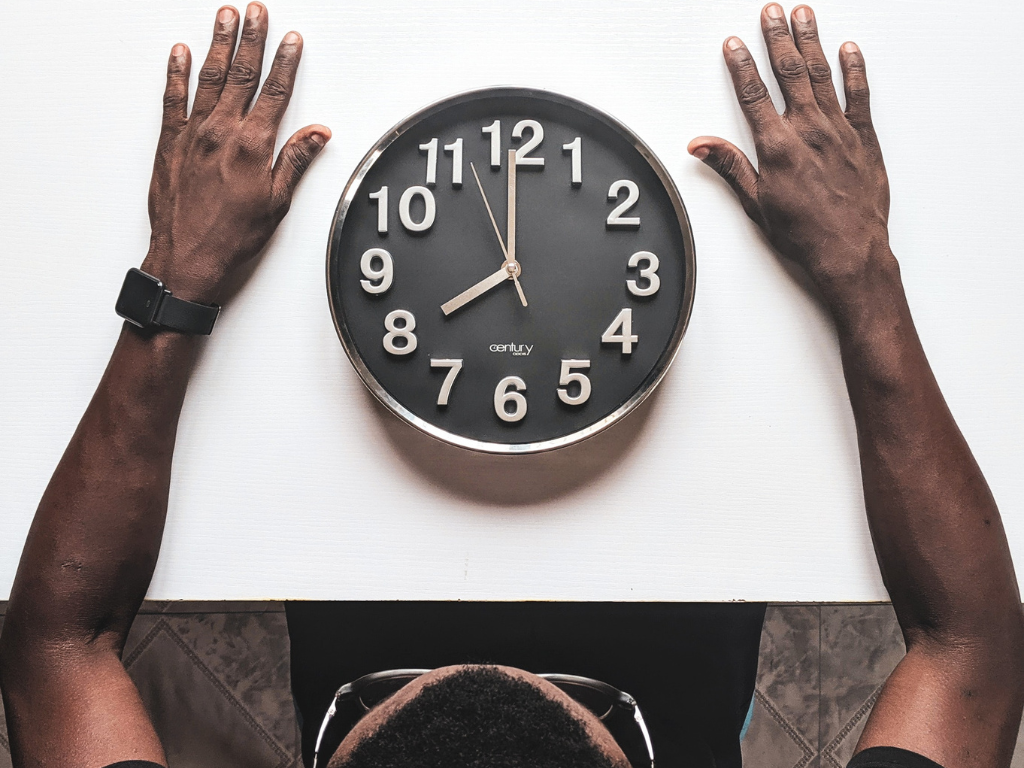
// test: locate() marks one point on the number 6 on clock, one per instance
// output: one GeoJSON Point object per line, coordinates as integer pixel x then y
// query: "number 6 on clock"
{"type": "Point", "coordinates": [508, 391]}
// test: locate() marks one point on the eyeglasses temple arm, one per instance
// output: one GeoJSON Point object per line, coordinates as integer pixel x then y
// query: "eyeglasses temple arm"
{"type": "Point", "coordinates": [639, 718]}
{"type": "Point", "coordinates": [331, 711]}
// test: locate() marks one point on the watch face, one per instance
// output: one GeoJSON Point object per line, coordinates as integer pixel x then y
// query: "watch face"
{"type": "Point", "coordinates": [139, 298]}
{"type": "Point", "coordinates": [511, 270]}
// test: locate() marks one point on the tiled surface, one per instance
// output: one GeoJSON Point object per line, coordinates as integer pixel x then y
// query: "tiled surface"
{"type": "Point", "coordinates": [820, 670]}
{"type": "Point", "coordinates": [216, 686]}
{"type": "Point", "coordinates": [214, 677]}
{"type": "Point", "coordinates": [818, 675]}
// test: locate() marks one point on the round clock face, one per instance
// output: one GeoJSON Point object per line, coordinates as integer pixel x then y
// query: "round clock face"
{"type": "Point", "coordinates": [510, 270]}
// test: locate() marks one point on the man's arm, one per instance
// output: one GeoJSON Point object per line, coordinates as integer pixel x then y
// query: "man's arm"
{"type": "Point", "coordinates": [215, 199]}
{"type": "Point", "coordinates": [821, 196]}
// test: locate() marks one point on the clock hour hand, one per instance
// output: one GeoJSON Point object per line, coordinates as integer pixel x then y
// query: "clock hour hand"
{"type": "Point", "coordinates": [477, 290]}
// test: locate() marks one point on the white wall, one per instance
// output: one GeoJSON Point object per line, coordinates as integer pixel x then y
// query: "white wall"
{"type": "Point", "coordinates": [738, 480]}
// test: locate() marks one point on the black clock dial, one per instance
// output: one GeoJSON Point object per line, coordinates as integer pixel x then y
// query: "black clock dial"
{"type": "Point", "coordinates": [420, 270]}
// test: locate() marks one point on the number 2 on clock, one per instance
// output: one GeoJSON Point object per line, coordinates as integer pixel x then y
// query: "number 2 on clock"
{"type": "Point", "coordinates": [615, 218]}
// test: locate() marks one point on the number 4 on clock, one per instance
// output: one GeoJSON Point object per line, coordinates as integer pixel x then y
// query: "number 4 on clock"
{"type": "Point", "coordinates": [621, 332]}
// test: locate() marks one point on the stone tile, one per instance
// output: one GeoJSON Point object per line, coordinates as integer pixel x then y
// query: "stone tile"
{"type": "Point", "coordinates": [787, 674]}
{"type": "Point", "coordinates": [772, 742]}
{"type": "Point", "coordinates": [248, 653]}
{"type": "Point", "coordinates": [152, 606]}
{"type": "Point", "coordinates": [201, 722]}
{"type": "Point", "coordinates": [860, 646]}
{"type": "Point", "coordinates": [141, 627]}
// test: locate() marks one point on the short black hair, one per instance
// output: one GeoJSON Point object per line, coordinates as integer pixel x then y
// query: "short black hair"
{"type": "Point", "coordinates": [480, 717]}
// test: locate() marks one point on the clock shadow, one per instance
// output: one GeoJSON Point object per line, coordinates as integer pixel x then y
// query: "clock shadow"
{"type": "Point", "coordinates": [514, 481]}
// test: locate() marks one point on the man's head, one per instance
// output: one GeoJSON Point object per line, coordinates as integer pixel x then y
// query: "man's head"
{"type": "Point", "coordinates": [479, 717]}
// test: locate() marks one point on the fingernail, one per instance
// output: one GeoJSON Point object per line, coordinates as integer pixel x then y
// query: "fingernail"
{"type": "Point", "coordinates": [291, 38]}
{"type": "Point", "coordinates": [319, 139]}
{"type": "Point", "coordinates": [850, 47]}
{"type": "Point", "coordinates": [178, 51]}
{"type": "Point", "coordinates": [803, 14]}
{"type": "Point", "coordinates": [733, 43]}
{"type": "Point", "coordinates": [253, 11]}
{"type": "Point", "coordinates": [226, 15]}
{"type": "Point", "coordinates": [774, 11]}
{"type": "Point", "coordinates": [701, 153]}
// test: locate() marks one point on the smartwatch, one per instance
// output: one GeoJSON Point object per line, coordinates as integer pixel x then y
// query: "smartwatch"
{"type": "Point", "coordinates": [145, 302]}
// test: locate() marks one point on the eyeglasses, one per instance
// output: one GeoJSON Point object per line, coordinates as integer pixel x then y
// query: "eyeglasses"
{"type": "Point", "coordinates": [618, 711]}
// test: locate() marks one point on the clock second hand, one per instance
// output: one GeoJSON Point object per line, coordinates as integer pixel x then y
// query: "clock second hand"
{"type": "Point", "coordinates": [508, 259]}
{"type": "Point", "coordinates": [487, 205]}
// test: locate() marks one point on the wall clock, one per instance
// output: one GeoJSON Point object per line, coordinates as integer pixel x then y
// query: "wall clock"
{"type": "Point", "coordinates": [510, 270]}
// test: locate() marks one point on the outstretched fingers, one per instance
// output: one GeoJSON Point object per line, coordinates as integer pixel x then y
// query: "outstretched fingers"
{"type": "Point", "coordinates": [294, 160]}
{"type": "Point", "coordinates": [805, 32]}
{"type": "Point", "coordinates": [787, 63]}
{"type": "Point", "coordinates": [176, 92]}
{"type": "Point", "coordinates": [215, 68]}
{"type": "Point", "coordinates": [277, 89]}
{"type": "Point", "coordinates": [244, 75]}
{"type": "Point", "coordinates": [858, 95]}
{"type": "Point", "coordinates": [729, 162]}
{"type": "Point", "coordinates": [753, 96]}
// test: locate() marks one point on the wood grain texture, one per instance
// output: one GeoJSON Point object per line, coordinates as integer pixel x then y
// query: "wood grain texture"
{"type": "Point", "coordinates": [738, 479]}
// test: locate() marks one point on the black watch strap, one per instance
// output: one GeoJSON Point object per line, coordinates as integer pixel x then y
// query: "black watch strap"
{"type": "Point", "coordinates": [145, 302]}
{"type": "Point", "coordinates": [186, 316]}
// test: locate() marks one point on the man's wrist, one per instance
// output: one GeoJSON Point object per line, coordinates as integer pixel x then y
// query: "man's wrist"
{"type": "Point", "coordinates": [873, 321]}
{"type": "Point", "coordinates": [186, 283]}
{"type": "Point", "coordinates": [861, 286]}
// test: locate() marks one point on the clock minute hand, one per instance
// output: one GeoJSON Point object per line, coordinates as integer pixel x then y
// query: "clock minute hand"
{"type": "Point", "coordinates": [512, 221]}
{"type": "Point", "coordinates": [509, 256]}
{"type": "Point", "coordinates": [477, 290]}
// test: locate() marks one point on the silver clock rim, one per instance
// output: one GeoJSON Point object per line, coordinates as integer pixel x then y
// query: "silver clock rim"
{"type": "Point", "coordinates": [652, 380]}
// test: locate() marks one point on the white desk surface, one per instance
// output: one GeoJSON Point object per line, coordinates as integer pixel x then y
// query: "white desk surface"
{"type": "Point", "coordinates": [737, 480]}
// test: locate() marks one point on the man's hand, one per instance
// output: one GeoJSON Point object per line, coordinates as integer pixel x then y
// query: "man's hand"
{"type": "Point", "coordinates": [216, 195]}
{"type": "Point", "coordinates": [820, 193]}
{"type": "Point", "coordinates": [821, 196]}
{"type": "Point", "coordinates": [215, 199]}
